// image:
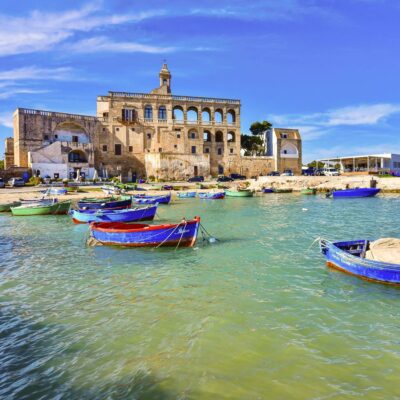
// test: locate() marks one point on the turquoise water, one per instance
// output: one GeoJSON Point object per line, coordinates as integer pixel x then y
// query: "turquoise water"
{"type": "Point", "coordinates": [255, 316]}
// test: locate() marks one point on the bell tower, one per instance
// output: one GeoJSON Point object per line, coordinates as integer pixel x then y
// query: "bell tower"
{"type": "Point", "coordinates": [165, 78]}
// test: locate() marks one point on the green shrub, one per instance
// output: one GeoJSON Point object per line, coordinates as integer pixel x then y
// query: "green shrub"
{"type": "Point", "coordinates": [35, 180]}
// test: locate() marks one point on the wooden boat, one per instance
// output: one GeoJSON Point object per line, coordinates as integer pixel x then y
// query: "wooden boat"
{"type": "Point", "coordinates": [5, 207]}
{"type": "Point", "coordinates": [63, 207]}
{"type": "Point", "coordinates": [54, 191]}
{"type": "Point", "coordinates": [212, 195]}
{"type": "Point", "coordinates": [276, 190]}
{"type": "Point", "coordinates": [186, 195]}
{"type": "Point", "coordinates": [41, 201]}
{"type": "Point", "coordinates": [350, 257]}
{"type": "Point", "coordinates": [356, 192]}
{"type": "Point", "coordinates": [143, 199]}
{"type": "Point", "coordinates": [309, 191]}
{"type": "Point", "coordinates": [239, 193]}
{"type": "Point", "coordinates": [127, 215]}
{"type": "Point", "coordinates": [183, 234]}
{"type": "Point", "coordinates": [108, 203]}
{"type": "Point", "coordinates": [111, 190]}
{"type": "Point", "coordinates": [57, 208]}
{"type": "Point", "coordinates": [267, 190]}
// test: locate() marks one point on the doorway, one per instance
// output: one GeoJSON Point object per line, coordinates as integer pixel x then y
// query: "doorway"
{"type": "Point", "coordinates": [196, 170]}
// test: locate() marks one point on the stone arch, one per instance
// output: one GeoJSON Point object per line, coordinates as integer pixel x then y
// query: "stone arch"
{"type": "Point", "coordinates": [177, 113]}
{"type": "Point", "coordinates": [206, 115]}
{"type": "Point", "coordinates": [219, 137]}
{"type": "Point", "coordinates": [192, 114]}
{"type": "Point", "coordinates": [148, 111]}
{"type": "Point", "coordinates": [70, 132]}
{"type": "Point", "coordinates": [192, 134]}
{"type": "Point", "coordinates": [218, 116]}
{"type": "Point", "coordinates": [231, 116]}
{"type": "Point", "coordinates": [207, 136]}
{"type": "Point", "coordinates": [162, 112]}
{"type": "Point", "coordinates": [231, 137]}
{"type": "Point", "coordinates": [289, 149]}
{"type": "Point", "coordinates": [77, 156]}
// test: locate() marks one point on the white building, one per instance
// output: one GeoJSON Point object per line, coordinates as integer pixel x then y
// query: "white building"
{"type": "Point", "coordinates": [375, 163]}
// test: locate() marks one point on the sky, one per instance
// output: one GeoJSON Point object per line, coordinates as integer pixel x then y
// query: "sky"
{"type": "Point", "coordinates": [330, 68]}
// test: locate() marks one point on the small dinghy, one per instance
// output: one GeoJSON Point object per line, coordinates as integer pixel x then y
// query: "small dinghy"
{"type": "Point", "coordinates": [111, 190]}
{"type": "Point", "coordinates": [127, 215]}
{"type": "Point", "coordinates": [55, 191]}
{"type": "Point", "coordinates": [183, 234]}
{"type": "Point", "coordinates": [377, 261]}
{"type": "Point", "coordinates": [212, 195]}
{"type": "Point", "coordinates": [356, 192]}
{"type": "Point", "coordinates": [106, 203]}
{"type": "Point", "coordinates": [239, 193]}
{"type": "Point", "coordinates": [142, 199]}
{"type": "Point", "coordinates": [57, 208]}
{"type": "Point", "coordinates": [267, 190]}
{"type": "Point", "coordinates": [186, 195]}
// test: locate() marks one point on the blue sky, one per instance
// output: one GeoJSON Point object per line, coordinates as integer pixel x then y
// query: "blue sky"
{"type": "Point", "coordinates": [328, 67]}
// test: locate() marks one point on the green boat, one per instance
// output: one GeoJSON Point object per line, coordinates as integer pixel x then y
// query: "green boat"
{"type": "Point", "coordinates": [239, 193]}
{"type": "Point", "coordinates": [98, 199]}
{"type": "Point", "coordinates": [283, 190]}
{"type": "Point", "coordinates": [42, 209]}
{"type": "Point", "coordinates": [5, 207]}
{"type": "Point", "coordinates": [309, 191]}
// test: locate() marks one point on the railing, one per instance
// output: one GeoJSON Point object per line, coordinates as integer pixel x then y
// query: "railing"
{"type": "Point", "coordinates": [43, 113]}
{"type": "Point", "coordinates": [174, 97]}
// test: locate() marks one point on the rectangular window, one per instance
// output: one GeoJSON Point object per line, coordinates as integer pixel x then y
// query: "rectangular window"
{"type": "Point", "coordinates": [128, 114]}
{"type": "Point", "coordinates": [193, 149]}
{"type": "Point", "coordinates": [104, 147]}
{"type": "Point", "coordinates": [105, 114]}
{"type": "Point", "coordinates": [283, 135]}
{"type": "Point", "coordinates": [118, 149]}
{"type": "Point", "coordinates": [46, 137]}
{"type": "Point", "coordinates": [55, 136]}
{"type": "Point", "coordinates": [178, 136]}
{"type": "Point", "coordinates": [175, 146]}
{"type": "Point", "coordinates": [159, 149]}
{"type": "Point", "coordinates": [231, 151]}
{"type": "Point", "coordinates": [75, 139]}
{"type": "Point", "coordinates": [117, 129]}
{"type": "Point", "coordinates": [219, 151]}
{"type": "Point", "coordinates": [130, 149]}
{"type": "Point", "coordinates": [206, 150]}
{"type": "Point", "coordinates": [149, 136]}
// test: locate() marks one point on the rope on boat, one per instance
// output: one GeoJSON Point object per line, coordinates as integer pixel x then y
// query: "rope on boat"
{"type": "Point", "coordinates": [177, 226]}
{"type": "Point", "coordinates": [183, 231]}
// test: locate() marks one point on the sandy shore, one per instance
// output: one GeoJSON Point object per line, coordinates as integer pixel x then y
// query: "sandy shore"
{"type": "Point", "coordinates": [297, 183]}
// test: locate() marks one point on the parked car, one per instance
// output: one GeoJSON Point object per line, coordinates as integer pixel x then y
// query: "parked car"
{"type": "Point", "coordinates": [15, 182]}
{"type": "Point", "coordinates": [308, 171]}
{"type": "Point", "coordinates": [47, 179]}
{"type": "Point", "coordinates": [273, 173]}
{"type": "Point", "coordinates": [223, 178]}
{"type": "Point", "coordinates": [196, 179]}
{"type": "Point", "coordinates": [237, 176]}
{"type": "Point", "coordinates": [2, 183]}
{"type": "Point", "coordinates": [331, 172]}
{"type": "Point", "coordinates": [319, 172]}
{"type": "Point", "coordinates": [287, 172]}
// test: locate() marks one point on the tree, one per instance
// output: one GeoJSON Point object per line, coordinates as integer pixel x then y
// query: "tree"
{"type": "Point", "coordinates": [258, 128]}
{"type": "Point", "coordinates": [253, 145]}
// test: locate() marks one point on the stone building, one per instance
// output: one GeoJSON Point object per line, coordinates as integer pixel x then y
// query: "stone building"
{"type": "Point", "coordinates": [138, 135]}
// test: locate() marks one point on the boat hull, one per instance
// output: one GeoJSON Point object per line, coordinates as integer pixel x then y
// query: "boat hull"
{"type": "Point", "coordinates": [358, 192]}
{"type": "Point", "coordinates": [152, 199]}
{"type": "Point", "coordinates": [212, 196]}
{"type": "Point", "coordinates": [109, 205]}
{"type": "Point", "coordinates": [183, 234]}
{"type": "Point", "coordinates": [268, 190]}
{"type": "Point", "coordinates": [338, 256]}
{"type": "Point", "coordinates": [6, 207]}
{"type": "Point", "coordinates": [239, 193]}
{"type": "Point", "coordinates": [186, 195]}
{"type": "Point", "coordinates": [58, 208]}
{"type": "Point", "coordinates": [128, 215]}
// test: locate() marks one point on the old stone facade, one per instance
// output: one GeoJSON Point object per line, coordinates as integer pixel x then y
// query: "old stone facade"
{"type": "Point", "coordinates": [137, 135]}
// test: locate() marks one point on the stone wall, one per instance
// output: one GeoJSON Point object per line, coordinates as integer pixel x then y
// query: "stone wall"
{"type": "Point", "coordinates": [9, 153]}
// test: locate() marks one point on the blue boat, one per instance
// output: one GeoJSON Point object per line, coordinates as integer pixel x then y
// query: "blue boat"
{"type": "Point", "coordinates": [356, 192]}
{"type": "Point", "coordinates": [212, 195]}
{"type": "Point", "coordinates": [143, 199]}
{"type": "Point", "coordinates": [183, 234]}
{"type": "Point", "coordinates": [350, 257]}
{"type": "Point", "coordinates": [97, 204]}
{"type": "Point", "coordinates": [127, 215]}
{"type": "Point", "coordinates": [186, 195]}
{"type": "Point", "coordinates": [267, 190]}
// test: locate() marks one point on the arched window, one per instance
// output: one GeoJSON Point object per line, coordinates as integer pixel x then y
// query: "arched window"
{"type": "Point", "coordinates": [231, 137]}
{"type": "Point", "coordinates": [162, 113]}
{"type": "Point", "coordinates": [192, 115]}
{"type": "Point", "coordinates": [219, 137]}
{"type": "Point", "coordinates": [192, 134]}
{"type": "Point", "coordinates": [177, 113]}
{"type": "Point", "coordinates": [148, 112]}
{"type": "Point", "coordinates": [77, 156]}
{"type": "Point", "coordinates": [206, 115]}
{"type": "Point", "coordinates": [207, 136]}
{"type": "Point", "coordinates": [218, 116]}
{"type": "Point", "coordinates": [164, 82]}
{"type": "Point", "coordinates": [231, 116]}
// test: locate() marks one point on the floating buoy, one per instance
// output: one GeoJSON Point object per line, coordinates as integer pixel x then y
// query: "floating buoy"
{"type": "Point", "coordinates": [212, 240]}
{"type": "Point", "coordinates": [304, 209]}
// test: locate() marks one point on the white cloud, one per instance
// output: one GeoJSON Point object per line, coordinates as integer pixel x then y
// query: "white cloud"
{"type": "Point", "coordinates": [14, 91]}
{"type": "Point", "coordinates": [41, 31]}
{"type": "Point", "coordinates": [6, 119]}
{"type": "Point", "coordinates": [35, 73]}
{"type": "Point", "coordinates": [103, 44]}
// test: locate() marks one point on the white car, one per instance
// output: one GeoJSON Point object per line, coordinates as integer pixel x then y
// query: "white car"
{"type": "Point", "coordinates": [331, 172]}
